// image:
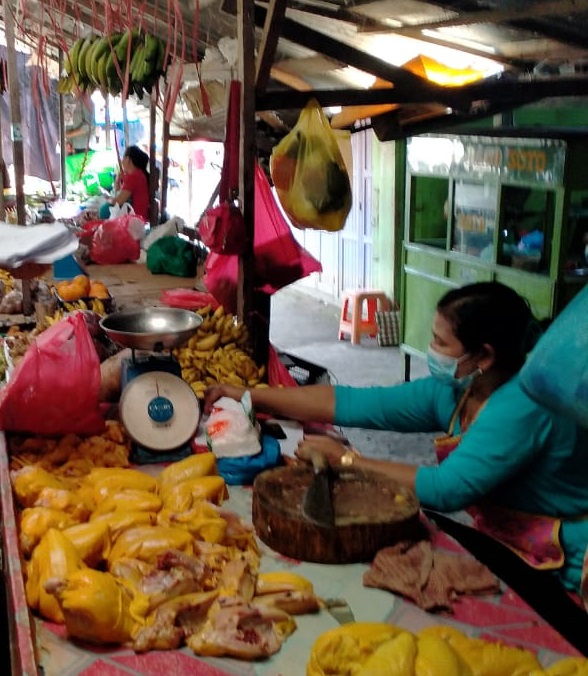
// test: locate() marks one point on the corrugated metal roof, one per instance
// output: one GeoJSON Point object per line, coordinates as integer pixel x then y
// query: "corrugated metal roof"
{"type": "Point", "coordinates": [528, 49]}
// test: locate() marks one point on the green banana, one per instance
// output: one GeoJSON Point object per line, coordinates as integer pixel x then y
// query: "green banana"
{"type": "Point", "coordinates": [122, 46]}
{"type": "Point", "coordinates": [159, 64]}
{"type": "Point", "coordinates": [100, 70]}
{"type": "Point", "coordinates": [82, 73]}
{"type": "Point", "coordinates": [137, 60]}
{"type": "Point", "coordinates": [71, 59]}
{"type": "Point", "coordinates": [151, 47]}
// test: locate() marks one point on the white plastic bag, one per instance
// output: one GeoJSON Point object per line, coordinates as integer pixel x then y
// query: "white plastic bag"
{"type": "Point", "coordinates": [231, 430]}
{"type": "Point", "coordinates": [117, 210]}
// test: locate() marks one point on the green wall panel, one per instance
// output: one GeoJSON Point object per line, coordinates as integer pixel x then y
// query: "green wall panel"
{"type": "Point", "coordinates": [536, 289]}
{"type": "Point", "coordinates": [427, 262]}
{"type": "Point", "coordinates": [421, 295]}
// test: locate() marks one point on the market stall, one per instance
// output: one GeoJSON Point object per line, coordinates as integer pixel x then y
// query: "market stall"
{"type": "Point", "coordinates": [493, 207]}
{"type": "Point", "coordinates": [40, 644]}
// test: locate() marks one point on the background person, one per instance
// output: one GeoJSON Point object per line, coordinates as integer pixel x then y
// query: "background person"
{"type": "Point", "coordinates": [134, 184]}
{"type": "Point", "coordinates": [519, 469]}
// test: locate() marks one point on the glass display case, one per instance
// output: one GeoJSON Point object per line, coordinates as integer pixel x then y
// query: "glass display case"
{"type": "Point", "coordinates": [492, 207]}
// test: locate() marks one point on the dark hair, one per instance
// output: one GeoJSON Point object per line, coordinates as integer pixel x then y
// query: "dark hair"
{"type": "Point", "coordinates": [139, 158]}
{"type": "Point", "coordinates": [494, 314]}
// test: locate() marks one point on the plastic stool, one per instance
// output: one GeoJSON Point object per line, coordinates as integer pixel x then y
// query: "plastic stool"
{"type": "Point", "coordinates": [356, 325]}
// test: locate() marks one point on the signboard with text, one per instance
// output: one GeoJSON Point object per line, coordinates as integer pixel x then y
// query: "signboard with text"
{"type": "Point", "coordinates": [513, 160]}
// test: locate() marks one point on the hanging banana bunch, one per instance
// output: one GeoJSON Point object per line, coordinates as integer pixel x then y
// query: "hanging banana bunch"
{"type": "Point", "coordinates": [95, 62]}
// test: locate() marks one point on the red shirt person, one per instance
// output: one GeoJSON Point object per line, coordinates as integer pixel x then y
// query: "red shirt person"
{"type": "Point", "coordinates": [135, 182]}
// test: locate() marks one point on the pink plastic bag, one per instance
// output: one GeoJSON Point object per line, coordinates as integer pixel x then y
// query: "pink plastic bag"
{"type": "Point", "coordinates": [187, 299]}
{"type": "Point", "coordinates": [279, 259]}
{"type": "Point", "coordinates": [113, 243]}
{"type": "Point", "coordinates": [55, 388]}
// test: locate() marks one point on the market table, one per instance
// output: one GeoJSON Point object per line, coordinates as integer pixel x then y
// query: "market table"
{"type": "Point", "coordinates": [36, 644]}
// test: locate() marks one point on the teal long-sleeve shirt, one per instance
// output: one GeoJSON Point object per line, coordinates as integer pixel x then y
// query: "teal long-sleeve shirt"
{"type": "Point", "coordinates": [516, 453]}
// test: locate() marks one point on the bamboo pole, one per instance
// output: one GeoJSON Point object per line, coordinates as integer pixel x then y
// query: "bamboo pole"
{"type": "Point", "coordinates": [16, 135]}
{"type": "Point", "coordinates": [62, 139]}
{"type": "Point", "coordinates": [152, 165]}
{"type": "Point", "coordinates": [164, 168]}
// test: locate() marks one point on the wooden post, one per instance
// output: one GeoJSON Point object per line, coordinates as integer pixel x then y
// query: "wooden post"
{"type": "Point", "coordinates": [62, 139]}
{"type": "Point", "coordinates": [152, 166]}
{"type": "Point", "coordinates": [16, 135]}
{"type": "Point", "coordinates": [107, 124]}
{"type": "Point", "coordinates": [164, 168]}
{"type": "Point", "coordinates": [2, 201]}
{"type": "Point", "coordinates": [253, 310]}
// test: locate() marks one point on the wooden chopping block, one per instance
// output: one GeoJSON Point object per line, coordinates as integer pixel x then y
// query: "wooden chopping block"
{"type": "Point", "coordinates": [371, 512]}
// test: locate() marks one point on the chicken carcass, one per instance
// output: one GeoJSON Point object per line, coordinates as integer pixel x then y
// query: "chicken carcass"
{"type": "Point", "coordinates": [168, 625]}
{"type": "Point", "coordinates": [239, 629]}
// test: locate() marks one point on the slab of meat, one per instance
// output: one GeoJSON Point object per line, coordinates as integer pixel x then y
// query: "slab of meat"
{"type": "Point", "coordinates": [432, 579]}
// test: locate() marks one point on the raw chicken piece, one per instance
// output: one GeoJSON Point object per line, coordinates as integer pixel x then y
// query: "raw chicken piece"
{"type": "Point", "coordinates": [36, 521]}
{"type": "Point", "coordinates": [170, 579]}
{"type": "Point", "coordinates": [167, 627]}
{"type": "Point", "coordinates": [242, 630]}
{"type": "Point", "coordinates": [54, 557]}
{"type": "Point", "coordinates": [96, 607]}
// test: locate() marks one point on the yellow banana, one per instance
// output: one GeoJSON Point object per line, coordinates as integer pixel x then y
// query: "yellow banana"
{"type": "Point", "coordinates": [208, 343]}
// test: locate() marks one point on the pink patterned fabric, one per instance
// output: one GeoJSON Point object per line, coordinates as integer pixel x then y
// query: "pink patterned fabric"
{"type": "Point", "coordinates": [534, 538]}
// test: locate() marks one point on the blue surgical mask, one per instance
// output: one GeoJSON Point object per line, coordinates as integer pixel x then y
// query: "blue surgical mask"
{"type": "Point", "coordinates": [444, 368]}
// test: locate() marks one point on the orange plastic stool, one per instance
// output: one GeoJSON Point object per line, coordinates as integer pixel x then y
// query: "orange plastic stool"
{"type": "Point", "coordinates": [355, 324]}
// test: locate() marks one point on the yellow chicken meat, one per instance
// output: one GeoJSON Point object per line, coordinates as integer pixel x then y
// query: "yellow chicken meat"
{"type": "Point", "coordinates": [128, 501]}
{"type": "Point", "coordinates": [193, 467]}
{"type": "Point", "coordinates": [147, 542]}
{"type": "Point", "coordinates": [96, 606]}
{"type": "Point", "coordinates": [485, 658]}
{"type": "Point", "coordinates": [92, 541]}
{"type": "Point", "coordinates": [36, 521]}
{"type": "Point", "coordinates": [54, 557]}
{"type": "Point", "coordinates": [184, 495]}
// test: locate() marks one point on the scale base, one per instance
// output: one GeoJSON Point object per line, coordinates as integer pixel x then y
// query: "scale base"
{"type": "Point", "coordinates": [143, 456]}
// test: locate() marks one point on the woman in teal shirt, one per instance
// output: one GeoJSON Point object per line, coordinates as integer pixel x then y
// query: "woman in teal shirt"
{"type": "Point", "coordinates": [521, 469]}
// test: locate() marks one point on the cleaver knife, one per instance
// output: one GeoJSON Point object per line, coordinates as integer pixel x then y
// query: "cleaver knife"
{"type": "Point", "coordinates": [317, 503]}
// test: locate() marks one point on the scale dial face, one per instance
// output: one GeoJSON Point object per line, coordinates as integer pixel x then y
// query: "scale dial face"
{"type": "Point", "coordinates": [159, 411]}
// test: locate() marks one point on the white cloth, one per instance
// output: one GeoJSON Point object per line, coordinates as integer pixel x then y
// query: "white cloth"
{"type": "Point", "coordinates": [45, 243]}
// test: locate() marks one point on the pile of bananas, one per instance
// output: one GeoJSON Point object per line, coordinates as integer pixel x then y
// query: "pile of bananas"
{"type": "Point", "coordinates": [95, 305]}
{"type": "Point", "coordinates": [217, 353]}
{"type": "Point", "coordinates": [7, 281]}
{"type": "Point", "coordinates": [96, 62]}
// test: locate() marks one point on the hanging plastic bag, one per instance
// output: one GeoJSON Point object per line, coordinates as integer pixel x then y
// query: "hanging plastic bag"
{"type": "Point", "coordinates": [309, 173]}
{"type": "Point", "coordinates": [222, 228]}
{"type": "Point", "coordinates": [55, 388]}
{"type": "Point", "coordinates": [117, 241]}
{"type": "Point", "coordinates": [279, 258]}
{"type": "Point", "coordinates": [171, 255]}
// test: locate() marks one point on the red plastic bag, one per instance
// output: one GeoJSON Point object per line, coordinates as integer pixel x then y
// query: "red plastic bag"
{"type": "Point", "coordinates": [187, 299]}
{"type": "Point", "coordinates": [113, 242]}
{"type": "Point", "coordinates": [279, 259]}
{"type": "Point", "coordinates": [55, 388]}
{"type": "Point", "coordinates": [222, 229]}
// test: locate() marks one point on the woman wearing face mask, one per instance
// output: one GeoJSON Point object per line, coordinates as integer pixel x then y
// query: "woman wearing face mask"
{"type": "Point", "coordinates": [521, 470]}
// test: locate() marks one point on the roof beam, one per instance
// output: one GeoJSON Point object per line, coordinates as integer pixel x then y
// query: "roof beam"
{"type": "Point", "coordinates": [478, 95]}
{"type": "Point", "coordinates": [366, 24]}
{"type": "Point", "coordinates": [343, 53]}
{"type": "Point", "coordinates": [272, 28]}
{"type": "Point", "coordinates": [497, 16]}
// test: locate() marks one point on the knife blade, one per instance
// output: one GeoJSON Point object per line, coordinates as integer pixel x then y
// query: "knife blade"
{"type": "Point", "coordinates": [340, 610]}
{"type": "Point", "coordinates": [317, 503]}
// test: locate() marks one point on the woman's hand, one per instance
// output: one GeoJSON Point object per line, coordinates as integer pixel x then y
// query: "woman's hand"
{"type": "Point", "coordinates": [215, 392]}
{"type": "Point", "coordinates": [332, 449]}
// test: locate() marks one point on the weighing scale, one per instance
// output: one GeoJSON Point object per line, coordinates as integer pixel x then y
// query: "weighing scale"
{"type": "Point", "coordinates": [158, 409]}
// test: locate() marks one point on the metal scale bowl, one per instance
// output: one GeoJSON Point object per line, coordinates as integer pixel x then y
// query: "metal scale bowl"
{"type": "Point", "coordinates": [158, 409]}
